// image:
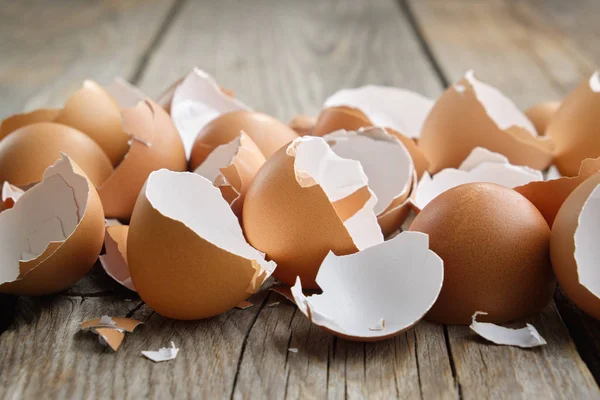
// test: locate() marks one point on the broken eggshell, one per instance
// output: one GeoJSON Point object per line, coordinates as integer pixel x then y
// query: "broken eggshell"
{"type": "Point", "coordinates": [114, 261]}
{"type": "Point", "coordinates": [10, 195]}
{"type": "Point", "coordinates": [306, 201]}
{"type": "Point", "coordinates": [473, 114]}
{"type": "Point", "coordinates": [540, 115]}
{"type": "Point", "coordinates": [526, 337]}
{"type": "Point", "coordinates": [53, 234]}
{"type": "Point", "coordinates": [124, 93]}
{"type": "Point", "coordinates": [376, 293]}
{"type": "Point", "coordinates": [110, 330]}
{"type": "Point", "coordinates": [187, 255]}
{"type": "Point", "coordinates": [481, 165]}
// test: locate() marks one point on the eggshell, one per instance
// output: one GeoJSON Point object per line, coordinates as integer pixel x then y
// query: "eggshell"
{"type": "Point", "coordinates": [231, 167]}
{"type": "Point", "coordinates": [114, 261]}
{"type": "Point", "coordinates": [376, 293]}
{"type": "Point", "coordinates": [574, 248]}
{"type": "Point", "coordinates": [123, 324]}
{"type": "Point", "coordinates": [548, 196]}
{"type": "Point", "coordinates": [303, 124]}
{"type": "Point", "coordinates": [575, 127]}
{"type": "Point", "coordinates": [268, 133]}
{"type": "Point", "coordinates": [52, 236]}
{"type": "Point", "coordinates": [473, 114]}
{"type": "Point", "coordinates": [525, 338]}
{"type": "Point", "coordinates": [495, 247]}
{"type": "Point", "coordinates": [155, 144]}
{"type": "Point", "coordinates": [10, 195]}
{"type": "Point", "coordinates": [27, 152]}
{"type": "Point", "coordinates": [17, 121]}
{"type": "Point", "coordinates": [186, 251]}
{"type": "Point", "coordinates": [94, 112]}
{"type": "Point", "coordinates": [124, 93]}
{"type": "Point", "coordinates": [540, 114]}
{"type": "Point", "coordinates": [306, 201]}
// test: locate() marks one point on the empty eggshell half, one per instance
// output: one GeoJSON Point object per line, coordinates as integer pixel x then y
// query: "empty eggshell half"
{"type": "Point", "coordinates": [473, 114]}
{"type": "Point", "coordinates": [306, 201]}
{"type": "Point", "coordinates": [526, 337]}
{"type": "Point", "coordinates": [399, 109]}
{"type": "Point", "coordinates": [114, 261]}
{"type": "Point", "coordinates": [195, 102]}
{"type": "Point", "coordinates": [53, 234]}
{"type": "Point", "coordinates": [231, 167]}
{"type": "Point", "coordinates": [574, 248]}
{"type": "Point", "coordinates": [548, 196]}
{"type": "Point", "coordinates": [388, 166]}
{"type": "Point", "coordinates": [376, 293]}
{"type": "Point", "coordinates": [17, 121]}
{"type": "Point", "coordinates": [186, 252]}
{"type": "Point", "coordinates": [540, 115]}
{"type": "Point", "coordinates": [575, 127]}
{"type": "Point", "coordinates": [155, 144]}
{"type": "Point", "coordinates": [482, 165]}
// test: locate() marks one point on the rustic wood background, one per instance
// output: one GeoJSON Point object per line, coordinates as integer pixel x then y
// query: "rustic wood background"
{"type": "Point", "coordinates": [285, 57]}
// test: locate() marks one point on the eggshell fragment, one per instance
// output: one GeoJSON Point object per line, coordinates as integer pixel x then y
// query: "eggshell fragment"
{"type": "Point", "coordinates": [231, 167]}
{"type": "Point", "coordinates": [482, 165]}
{"type": "Point", "coordinates": [400, 109]}
{"type": "Point", "coordinates": [303, 124]}
{"type": "Point", "coordinates": [17, 121]}
{"type": "Point", "coordinates": [267, 133]}
{"type": "Point", "coordinates": [110, 337]}
{"type": "Point", "coordinates": [163, 354]}
{"type": "Point", "coordinates": [53, 234]}
{"type": "Point", "coordinates": [574, 247]}
{"type": "Point", "coordinates": [473, 114]}
{"type": "Point", "coordinates": [376, 293]}
{"type": "Point", "coordinates": [124, 93]}
{"type": "Point", "coordinates": [10, 195]}
{"type": "Point", "coordinates": [119, 323]}
{"type": "Point", "coordinates": [27, 152]}
{"type": "Point", "coordinates": [540, 115]}
{"type": "Point", "coordinates": [388, 166]}
{"type": "Point", "coordinates": [575, 127]}
{"type": "Point", "coordinates": [114, 261]}
{"type": "Point", "coordinates": [526, 338]}
{"type": "Point", "coordinates": [549, 196]}
{"type": "Point", "coordinates": [495, 247]}
{"type": "Point", "coordinates": [155, 144]}
{"type": "Point", "coordinates": [306, 201]}
{"type": "Point", "coordinates": [187, 255]}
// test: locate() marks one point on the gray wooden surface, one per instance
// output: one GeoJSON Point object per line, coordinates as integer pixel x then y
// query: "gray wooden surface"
{"type": "Point", "coordinates": [285, 57]}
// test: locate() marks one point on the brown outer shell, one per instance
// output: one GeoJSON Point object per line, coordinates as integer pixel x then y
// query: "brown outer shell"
{"type": "Point", "coordinates": [575, 129]}
{"type": "Point", "coordinates": [540, 114]}
{"type": "Point", "coordinates": [295, 226]}
{"type": "Point", "coordinates": [26, 153]}
{"type": "Point", "coordinates": [495, 248]}
{"type": "Point", "coordinates": [64, 263]}
{"type": "Point", "coordinates": [17, 121]}
{"type": "Point", "coordinates": [268, 133]}
{"type": "Point", "coordinates": [178, 273]}
{"type": "Point", "coordinates": [156, 145]}
{"type": "Point", "coordinates": [458, 123]}
{"type": "Point", "coordinates": [303, 124]}
{"type": "Point", "coordinates": [562, 248]}
{"type": "Point", "coordinates": [548, 196]}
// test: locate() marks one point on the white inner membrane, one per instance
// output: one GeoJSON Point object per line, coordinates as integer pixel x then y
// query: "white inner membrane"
{"type": "Point", "coordinates": [587, 251]}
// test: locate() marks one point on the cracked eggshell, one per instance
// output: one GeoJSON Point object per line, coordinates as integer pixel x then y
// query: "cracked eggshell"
{"type": "Point", "coordinates": [388, 166]}
{"type": "Point", "coordinates": [473, 114]}
{"type": "Point", "coordinates": [526, 337]}
{"type": "Point", "coordinates": [400, 109]}
{"type": "Point", "coordinates": [575, 127]}
{"type": "Point", "coordinates": [187, 255]}
{"type": "Point", "coordinates": [124, 93]}
{"type": "Point", "coordinates": [17, 121]}
{"type": "Point", "coordinates": [548, 196]}
{"type": "Point", "coordinates": [495, 247]}
{"type": "Point", "coordinates": [267, 133]}
{"type": "Point", "coordinates": [574, 246]}
{"type": "Point", "coordinates": [540, 115]}
{"type": "Point", "coordinates": [155, 144]}
{"type": "Point", "coordinates": [482, 165]}
{"type": "Point", "coordinates": [376, 293]}
{"type": "Point", "coordinates": [231, 167]}
{"type": "Point", "coordinates": [114, 261]}
{"type": "Point", "coordinates": [10, 195]}
{"type": "Point", "coordinates": [306, 201]}
{"type": "Point", "coordinates": [27, 152]}
{"type": "Point", "coordinates": [53, 235]}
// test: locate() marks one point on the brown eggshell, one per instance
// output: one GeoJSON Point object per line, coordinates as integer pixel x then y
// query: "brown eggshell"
{"type": "Point", "coordinates": [63, 263]}
{"type": "Point", "coordinates": [495, 247]}
{"type": "Point", "coordinates": [27, 152]}
{"type": "Point", "coordinates": [303, 124]}
{"type": "Point", "coordinates": [540, 114]}
{"type": "Point", "coordinates": [548, 196]}
{"type": "Point", "coordinates": [268, 133]}
{"type": "Point", "coordinates": [459, 122]}
{"type": "Point", "coordinates": [94, 112]}
{"type": "Point", "coordinates": [114, 261]}
{"type": "Point", "coordinates": [17, 121]}
{"type": "Point", "coordinates": [575, 129]}
{"type": "Point", "coordinates": [562, 248]}
{"type": "Point", "coordinates": [155, 144]}
{"type": "Point", "coordinates": [295, 226]}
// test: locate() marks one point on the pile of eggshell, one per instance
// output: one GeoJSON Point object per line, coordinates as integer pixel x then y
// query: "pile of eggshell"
{"type": "Point", "coordinates": [213, 198]}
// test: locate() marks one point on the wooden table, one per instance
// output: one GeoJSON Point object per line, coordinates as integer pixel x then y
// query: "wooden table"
{"type": "Point", "coordinates": [285, 57]}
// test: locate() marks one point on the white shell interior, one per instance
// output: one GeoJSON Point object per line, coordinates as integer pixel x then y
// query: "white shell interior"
{"type": "Point", "coordinates": [390, 107]}
{"type": "Point", "coordinates": [377, 292]}
{"type": "Point", "coordinates": [587, 251]}
{"type": "Point", "coordinates": [11, 192]}
{"type": "Point", "coordinates": [595, 82]}
{"type": "Point", "coordinates": [114, 264]}
{"type": "Point", "coordinates": [124, 93]}
{"type": "Point", "coordinates": [526, 337]}
{"type": "Point", "coordinates": [220, 157]}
